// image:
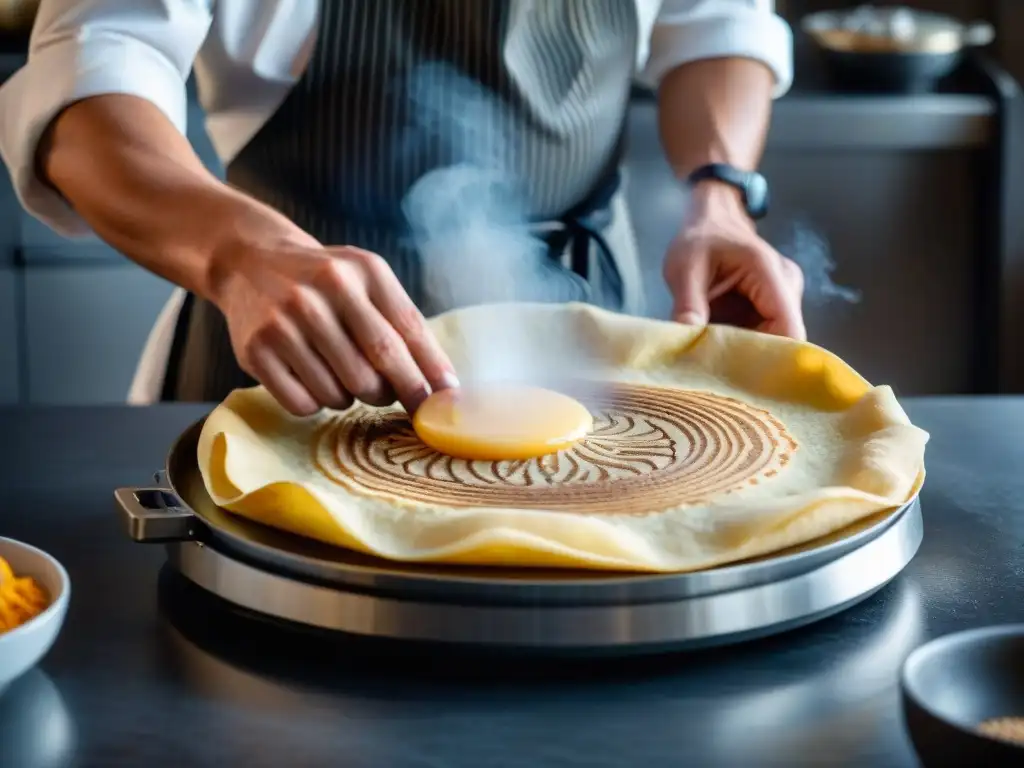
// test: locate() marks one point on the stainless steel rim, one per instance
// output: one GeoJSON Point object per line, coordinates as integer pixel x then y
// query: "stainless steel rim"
{"type": "Point", "coordinates": [193, 515]}
{"type": "Point", "coordinates": [691, 622]}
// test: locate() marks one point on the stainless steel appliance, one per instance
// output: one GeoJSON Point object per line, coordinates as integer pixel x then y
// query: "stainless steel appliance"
{"type": "Point", "coordinates": [304, 582]}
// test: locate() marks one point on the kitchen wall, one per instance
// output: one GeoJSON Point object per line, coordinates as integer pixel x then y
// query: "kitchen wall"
{"type": "Point", "coordinates": [1008, 16]}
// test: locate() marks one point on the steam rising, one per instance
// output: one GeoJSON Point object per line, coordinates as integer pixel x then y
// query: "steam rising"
{"type": "Point", "coordinates": [812, 253]}
{"type": "Point", "coordinates": [469, 221]}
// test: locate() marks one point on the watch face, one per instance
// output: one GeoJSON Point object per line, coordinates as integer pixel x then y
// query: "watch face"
{"type": "Point", "coordinates": [757, 195]}
{"type": "Point", "coordinates": [753, 185]}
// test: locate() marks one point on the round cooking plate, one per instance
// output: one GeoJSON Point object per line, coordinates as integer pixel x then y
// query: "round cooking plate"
{"type": "Point", "coordinates": [296, 557]}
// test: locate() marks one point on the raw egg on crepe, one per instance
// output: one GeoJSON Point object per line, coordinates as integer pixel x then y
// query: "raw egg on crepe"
{"type": "Point", "coordinates": [500, 422]}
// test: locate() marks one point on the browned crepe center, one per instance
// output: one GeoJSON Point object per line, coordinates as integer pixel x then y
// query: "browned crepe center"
{"type": "Point", "coordinates": [651, 448]}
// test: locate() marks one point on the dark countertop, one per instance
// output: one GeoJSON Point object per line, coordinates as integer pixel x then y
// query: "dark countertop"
{"type": "Point", "coordinates": [133, 684]}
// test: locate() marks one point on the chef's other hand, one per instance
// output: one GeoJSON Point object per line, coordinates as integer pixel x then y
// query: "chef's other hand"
{"type": "Point", "coordinates": [318, 326]}
{"type": "Point", "coordinates": [719, 270]}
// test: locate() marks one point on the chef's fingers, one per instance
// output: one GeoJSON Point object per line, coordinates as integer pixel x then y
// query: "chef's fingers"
{"type": "Point", "coordinates": [397, 308]}
{"type": "Point", "coordinates": [795, 281]}
{"type": "Point", "coordinates": [287, 339]}
{"type": "Point", "coordinates": [273, 374]}
{"type": "Point", "coordinates": [769, 287]}
{"type": "Point", "coordinates": [319, 323]}
{"type": "Point", "coordinates": [383, 348]}
{"type": "Point", "coordinates": [689, 277]}
{"type": "Point", "coordinates": [794, 277]}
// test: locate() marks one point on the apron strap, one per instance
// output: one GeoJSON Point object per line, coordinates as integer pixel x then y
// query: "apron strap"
{"type": "Point", "coordinates": [585, 224]}
{"type": "Point", "coordinates": [582, 225]}
{"type": "Point", "coordinates": [176, 354]}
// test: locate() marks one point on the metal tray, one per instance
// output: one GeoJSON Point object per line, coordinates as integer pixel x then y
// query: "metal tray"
{"type": "Point", "coordinates": [287, 577]}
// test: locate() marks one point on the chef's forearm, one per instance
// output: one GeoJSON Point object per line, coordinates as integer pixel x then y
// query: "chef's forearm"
{"type": "Point", "coordinates": [132, 176]}
{"type": "Point", "coordinates": [715, 111]}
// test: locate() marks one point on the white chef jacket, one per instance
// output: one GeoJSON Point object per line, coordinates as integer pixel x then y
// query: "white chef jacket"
{"type": "Point", "coordinates": [247, 55]}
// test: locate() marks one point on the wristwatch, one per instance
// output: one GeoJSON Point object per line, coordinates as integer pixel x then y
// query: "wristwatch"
{"type": "Point", "coordinates": [752, 185]}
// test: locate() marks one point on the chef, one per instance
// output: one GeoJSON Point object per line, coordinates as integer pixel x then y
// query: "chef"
{"type": "Point", "coordinates": [298, 272]}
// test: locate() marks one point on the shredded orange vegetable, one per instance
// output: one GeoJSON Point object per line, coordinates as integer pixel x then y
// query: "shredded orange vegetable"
{"type": "Point", "coordinates": [21, 598]}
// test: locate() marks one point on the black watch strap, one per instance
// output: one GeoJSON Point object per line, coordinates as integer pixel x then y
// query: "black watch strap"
{"type": "Point", "coordinates": [752, 185]}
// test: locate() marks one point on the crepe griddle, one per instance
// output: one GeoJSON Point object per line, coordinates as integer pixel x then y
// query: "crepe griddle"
{"type": "Point", "coordinates": [298, 580]}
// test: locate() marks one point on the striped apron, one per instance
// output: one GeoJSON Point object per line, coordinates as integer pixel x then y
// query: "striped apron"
{"type": "Point", "coordinates": [416, 122]}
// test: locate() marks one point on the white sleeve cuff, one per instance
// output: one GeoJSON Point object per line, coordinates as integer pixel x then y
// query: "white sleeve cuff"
{"type": "Point", "coordinates": [747, 33]}
{"type": "Point", "coordinates": [56, 76]}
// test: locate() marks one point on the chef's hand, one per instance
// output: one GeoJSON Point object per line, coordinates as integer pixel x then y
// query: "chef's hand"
{"type": "Point", "coordinates": [719, 270]}
{"type": "Point", "coordinates": [318, 326]}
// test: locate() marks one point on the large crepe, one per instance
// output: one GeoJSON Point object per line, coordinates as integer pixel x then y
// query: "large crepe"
{"type": "Point", "coordinates": [711, 445]}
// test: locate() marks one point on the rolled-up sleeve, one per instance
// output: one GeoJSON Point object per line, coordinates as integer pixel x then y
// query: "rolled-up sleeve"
{"type": "Point", "coordinates": [83, 48]}
{"type": "Point", "coordinates": [691, 30]}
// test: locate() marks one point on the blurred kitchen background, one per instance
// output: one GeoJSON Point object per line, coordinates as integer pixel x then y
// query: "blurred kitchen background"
{"type": "Point", "coordinates": [916, 195]}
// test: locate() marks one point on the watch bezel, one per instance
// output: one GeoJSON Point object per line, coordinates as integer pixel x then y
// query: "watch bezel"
{"type": "Point", "coordinates": [752, 185]}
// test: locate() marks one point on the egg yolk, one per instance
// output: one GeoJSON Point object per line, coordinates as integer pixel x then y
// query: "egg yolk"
{"type": "Point", "coordinates": [500, 422]}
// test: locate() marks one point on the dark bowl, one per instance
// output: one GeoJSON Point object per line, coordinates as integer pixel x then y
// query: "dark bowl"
{"type": "Point", "coordinates": [888, 72]}
{"type": "Point", "coordinates": [951, 685]}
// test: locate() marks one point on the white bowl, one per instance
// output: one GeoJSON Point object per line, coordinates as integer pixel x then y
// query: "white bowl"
{"type": "Point", "coordinates": [25, 646]}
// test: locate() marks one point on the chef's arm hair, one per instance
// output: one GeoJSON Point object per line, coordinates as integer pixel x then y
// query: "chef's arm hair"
{"type": "Point", "coordinates": [136, 180]}
{"type": "Point", "coordinates": [715, 111]}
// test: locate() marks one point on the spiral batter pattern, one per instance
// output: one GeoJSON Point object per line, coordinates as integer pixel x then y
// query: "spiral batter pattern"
{"type": "Point", "coordinates": [652, 448]}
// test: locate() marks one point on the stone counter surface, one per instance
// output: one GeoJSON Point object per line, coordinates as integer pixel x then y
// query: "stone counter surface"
{"type": "Point", "coordinates": [149, 673]}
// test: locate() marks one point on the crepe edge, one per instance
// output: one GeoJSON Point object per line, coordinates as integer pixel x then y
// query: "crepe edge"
{"type": "Point", "coordinates": [670, 343]}
{"type": "Point", "coordinates": [611, 547]}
